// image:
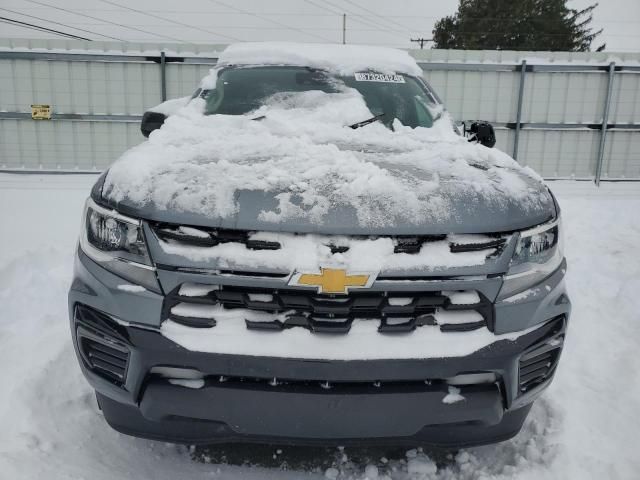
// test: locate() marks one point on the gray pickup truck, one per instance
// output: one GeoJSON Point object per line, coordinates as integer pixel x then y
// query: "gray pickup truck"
{"type": "Point", "coordinates": [308, 251]}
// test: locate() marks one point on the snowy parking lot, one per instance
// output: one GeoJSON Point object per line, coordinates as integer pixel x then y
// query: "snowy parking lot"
{"type": "Point", "coordinates": [585, 426]}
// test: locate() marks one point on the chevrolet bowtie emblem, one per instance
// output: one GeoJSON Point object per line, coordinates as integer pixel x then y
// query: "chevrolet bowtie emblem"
{"type": "Point", "coordinates": [333, 280]}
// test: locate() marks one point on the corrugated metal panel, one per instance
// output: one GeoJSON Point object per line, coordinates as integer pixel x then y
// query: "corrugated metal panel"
{"type": "Point", "coordinates": [504, 140]}
{"type": "Point", "coordinates": [79, 87]}
{"type": "Point", "coordinates": [564, 97]}
{"type": "Point", "coordinates": [183, 79]}
{"type": "Point", "coordinates": [625, 101]}
{"type": "Point", "coordinates": [488, 96]}
{"type": "Point", "coordinates": [508, 57]}
{"type": "Point", "coordinates": [486, 89]}
{"type": "Point", "coordinates": [560, 154]}
{"type": "Point", "coordinates": [62, 145]}
{"type": "Point", "coordinates": [622, 155]}
{"type": "Point", "coordinates": [96, 46]}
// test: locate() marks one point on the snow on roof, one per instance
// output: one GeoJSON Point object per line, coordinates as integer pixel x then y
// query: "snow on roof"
{"type": "Point", "coordinates": [342, 59]}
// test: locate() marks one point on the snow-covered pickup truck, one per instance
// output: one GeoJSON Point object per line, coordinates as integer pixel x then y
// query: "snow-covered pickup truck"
{"type": "Point", "coordinates": [308, 251]}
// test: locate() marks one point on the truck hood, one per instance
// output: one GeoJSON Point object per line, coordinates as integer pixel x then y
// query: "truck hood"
{"type": "Point", "coordinates": [322, 177]}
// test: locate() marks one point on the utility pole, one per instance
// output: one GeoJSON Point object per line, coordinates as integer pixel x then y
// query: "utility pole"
{"type": "Point", "coordinates": [344, 28]}
{"type": "Point", "coordinates": [421, 41]}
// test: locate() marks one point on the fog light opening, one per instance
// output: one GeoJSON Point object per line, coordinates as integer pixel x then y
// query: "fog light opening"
{"type": "Point", "coordinates": [183, 377]}
{"type": "Point", "coordinates": [472, 379]}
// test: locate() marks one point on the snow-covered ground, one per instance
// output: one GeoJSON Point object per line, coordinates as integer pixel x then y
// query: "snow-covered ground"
{"type": "Point", "coordinates": [586, 426]}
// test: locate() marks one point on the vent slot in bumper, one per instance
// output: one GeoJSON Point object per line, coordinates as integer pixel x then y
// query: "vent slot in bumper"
{"type": "Point", "coordinates": [538, 364]}
{"type": "Point", "coordinates": [101, 346]}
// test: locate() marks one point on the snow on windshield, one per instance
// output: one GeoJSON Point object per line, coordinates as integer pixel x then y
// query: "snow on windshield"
{"type": "Point", "coordinates": [303, 151]}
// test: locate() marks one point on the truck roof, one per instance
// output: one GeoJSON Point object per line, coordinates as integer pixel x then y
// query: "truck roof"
{"type": "Point", "coordinates": [341, 59]}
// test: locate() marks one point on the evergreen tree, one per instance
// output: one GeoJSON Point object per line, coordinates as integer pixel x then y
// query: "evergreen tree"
{"type": "Point", "coordinates": [517, 25]}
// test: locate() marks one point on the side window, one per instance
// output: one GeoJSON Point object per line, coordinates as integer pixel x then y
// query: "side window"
{"type": "Point", "coordinates": [213, 98]}
{"type": "Point", "coordinates": [424, 116]}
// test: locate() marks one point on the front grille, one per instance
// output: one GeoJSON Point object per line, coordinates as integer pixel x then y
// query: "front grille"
{"type": "Point", "coordinates": [538, 363]}
{"type": "Point", "coordinates": [395, 312]}
{"type": "Point", "coordinates": [210, 237]}
{"type": "Point", "coordinates": [407, 244]}
{"type": "Point", "coordinates": [102, 344]}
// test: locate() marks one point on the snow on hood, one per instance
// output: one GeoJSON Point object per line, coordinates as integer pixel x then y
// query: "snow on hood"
{"type": "Point", "coordinates": [302, 169]}
{"type": "Point", "coordinates": [340, 59]}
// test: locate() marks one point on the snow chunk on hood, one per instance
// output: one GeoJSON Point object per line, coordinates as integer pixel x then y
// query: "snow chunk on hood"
{"type": "Point", "coordinates": [307, 164]}
{"type": "Point", "coordinates": [340, 59]}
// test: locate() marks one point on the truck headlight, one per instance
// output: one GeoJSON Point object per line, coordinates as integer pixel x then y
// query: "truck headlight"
{"type": "Point", "coordinates": [538, 253]}
{"type": "Point", "coordinates": [117, 243]}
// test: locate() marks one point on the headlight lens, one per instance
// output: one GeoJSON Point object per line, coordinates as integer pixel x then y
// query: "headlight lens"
{"type": "Point", "coordinates": [537, 254]}
{"type": "Point", "coordinates": [535, 248]}
{"type": "Point", "coordinates": [117, 243]}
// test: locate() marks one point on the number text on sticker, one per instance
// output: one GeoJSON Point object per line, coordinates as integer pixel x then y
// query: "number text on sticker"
{"type": "Point", "coordinates": [378, 77]}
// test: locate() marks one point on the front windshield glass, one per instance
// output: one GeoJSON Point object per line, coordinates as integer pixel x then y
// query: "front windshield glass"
{"type": "Point", "coordinates": [242, 90]}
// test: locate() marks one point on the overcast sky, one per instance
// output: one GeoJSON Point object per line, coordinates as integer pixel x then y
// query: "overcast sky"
{"type": "Point", "coordinates": [379, 22]}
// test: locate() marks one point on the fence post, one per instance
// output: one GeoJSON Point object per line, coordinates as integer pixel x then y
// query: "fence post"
{"type": "Point", "coordinates": [516, 140]}
{"type": "Point", "coordinates": [163, 75]}
{"type": "Point", "coordinates": [605, 121]}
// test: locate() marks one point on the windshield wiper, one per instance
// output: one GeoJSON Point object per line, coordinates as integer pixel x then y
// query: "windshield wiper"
{"type": "Point", "coordinates": [367, 121]}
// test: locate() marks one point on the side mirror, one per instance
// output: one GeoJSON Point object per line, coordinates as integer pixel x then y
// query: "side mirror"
{"type": "Point", "coordinates": [151, 121]}
{"type": "Point", "coordinates": [480, 131]}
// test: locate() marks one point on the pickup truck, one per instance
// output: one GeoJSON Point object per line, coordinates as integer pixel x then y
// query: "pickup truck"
{"type": "Point", "coordinates": [308, 251]}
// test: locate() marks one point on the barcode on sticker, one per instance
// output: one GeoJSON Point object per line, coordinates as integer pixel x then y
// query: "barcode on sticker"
{"type": "Point", "coordinates": [378, 77]}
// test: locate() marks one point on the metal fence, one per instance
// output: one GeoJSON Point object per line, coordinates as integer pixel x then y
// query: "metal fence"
{"type": "Point", "coordinates": [567, 115]}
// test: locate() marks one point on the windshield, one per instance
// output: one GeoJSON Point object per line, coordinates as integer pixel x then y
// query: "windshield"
{"type": "Point", "coordinates": [241, 90]}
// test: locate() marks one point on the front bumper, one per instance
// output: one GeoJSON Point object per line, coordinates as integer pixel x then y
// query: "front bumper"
{"type": "Point", "coordinates": [229, 414]}
{"type": "Point", "coordinates": [369, 401]}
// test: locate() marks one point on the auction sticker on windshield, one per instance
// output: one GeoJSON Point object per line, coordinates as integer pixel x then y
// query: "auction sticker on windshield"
{"type": "Point", "coordinates": [378, 77]}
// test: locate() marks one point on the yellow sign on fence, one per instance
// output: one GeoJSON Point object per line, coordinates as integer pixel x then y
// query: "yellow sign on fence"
{"type": "Point", "coordinates": [41, 112]}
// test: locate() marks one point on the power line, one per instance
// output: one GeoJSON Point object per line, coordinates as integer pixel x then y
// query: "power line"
{"type": "Point", "coordinates": [289, 27]}
{"type": "Point", "coordinates": [31, 26]}
{"type": "Point", "coordinates": [386, 19]}
{"type": "Point", "coordinates": [302, 14]}
{"type": "Point", "coordinates": [231, 27]}
{"type": "Point", "coordinates": [435, 17]}
{"type": "Point", "coordinates": [171, 21]}
{"type": "Point", "coordinates": [373, 23]}
{"type": "Point", "coordinates": [58, 23]}
{"type": "Point", "coordinates": [105, 21]}
{"type": "Point", "coordinates": [336, 11]}
{"type": "Point", "coordinates": [331, 7]}
{"type": "Point", "coordinates": [536, 34]}
{"type": "Point", "coordinates": [325, 29]}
